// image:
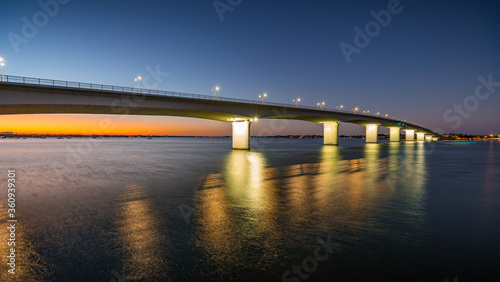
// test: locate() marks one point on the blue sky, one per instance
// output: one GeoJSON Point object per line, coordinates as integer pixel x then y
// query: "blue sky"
{"type": "Point", "coordinates": [423, 62]}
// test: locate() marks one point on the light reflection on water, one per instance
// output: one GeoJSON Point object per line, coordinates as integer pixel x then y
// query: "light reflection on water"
{"type": "Point", "coordinates": [251, 202]}
{"type": "Point", "coordinates": [397, 210]}
{"type": "Point", "coordinates": [140, 236]}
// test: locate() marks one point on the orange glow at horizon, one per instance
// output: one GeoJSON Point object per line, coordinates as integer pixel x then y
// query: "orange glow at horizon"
{"type": "Point", "coordinates": [111, 125]}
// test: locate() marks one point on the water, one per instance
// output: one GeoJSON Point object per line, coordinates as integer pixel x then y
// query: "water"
{"type": "Point", "coordinates": [186, 209]}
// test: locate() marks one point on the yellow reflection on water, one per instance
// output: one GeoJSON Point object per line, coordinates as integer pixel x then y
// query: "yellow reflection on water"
{"type": "Point", "coordinates": [139, 235]}
{"type": "Point", "coordinates": [240, 206]}
{"type": "Point", "coordinates": [373, 164]}
{"type": "Point", "coordinates": [29, 264]}
{"type": "Point", "coordinates": [251, 205]}
{"type": "Point", "coordinates": [244, 173]}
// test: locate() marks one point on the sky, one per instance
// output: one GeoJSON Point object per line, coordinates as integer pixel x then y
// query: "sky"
{"type": "Point", "coordinates": [423, 64]}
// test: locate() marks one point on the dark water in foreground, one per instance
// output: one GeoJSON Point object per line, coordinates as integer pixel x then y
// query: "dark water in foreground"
{"type": "Point", "coordinates": [183, 209]}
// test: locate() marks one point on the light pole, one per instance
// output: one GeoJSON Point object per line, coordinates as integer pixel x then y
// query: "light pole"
{"type": "Point", "coordinates": [262, 97]}
{"type": "Point", "coordinates": [216, 88]}
{"type": "Point", "coordinates": [340, 107]}
{"type": "Point", "coordinates": [355, 110]}
{"type": "Point", "coordinates": [137, 80]}
{"type": "Point", "coordinates": [297, 102]}
{"type": "Point", "coordinates": [1, 66]}
{"type": "Point", "coordinates": [320, 105]}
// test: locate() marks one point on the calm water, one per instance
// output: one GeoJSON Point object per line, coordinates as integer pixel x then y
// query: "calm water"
{"type": "Point", "coordinates": [185, 209]}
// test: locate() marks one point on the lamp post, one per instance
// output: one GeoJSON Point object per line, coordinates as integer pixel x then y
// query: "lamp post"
{"type": "Point", "coordinates": [1, 66]}
{"type": "Point", "coordinates": [137, 80]}
{"type": "Point", "coordinates": [355, 110]}
{"type": "Point", "coordinates": [320, 105]}
{"type": "Point", "coordinates": [262, 97]}
{"type": "Point", "coordinates": [297, 102]}
{"type": "Point", "coordinates": [340, 107]}
{"type": "Point", "coordinates": [216, 88]}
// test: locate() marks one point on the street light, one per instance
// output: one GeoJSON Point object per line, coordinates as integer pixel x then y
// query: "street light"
{"type": "Point", "coordinates": [217, 88]}
{"type": "Point", "coordinates": [262, 96]}
{"type": "Point", "coordinates": [340, 107]}
{"type": "Point", "coordinates": [297, 102]}
{"type": "Point", "coordinates": [355, 109]}
{"type": "Point", "coordinates": [1, 66]}
{"type": "Point", "coordinates": [137, 80]}
{"type": "Point", "coordinates": [320, 105]}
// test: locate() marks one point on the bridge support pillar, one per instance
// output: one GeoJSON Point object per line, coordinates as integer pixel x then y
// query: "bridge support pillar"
{"type": "Point", "coordinates": [330, 133]}
{"type": "Point", "coordinates": [410, 135]}
{"type": "Point", "coordinates": [371, 133]}
{"type": "Point", "coordinates": [395, 133]}
{"type": "Point", "coordinates": [241, 135]}
{"type": "Point", "coordinates": [428, 137]}
{"type": "Point", "coordinates": [420, 136]}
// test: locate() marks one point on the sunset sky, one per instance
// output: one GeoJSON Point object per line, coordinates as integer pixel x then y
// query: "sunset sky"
{"type": "Point", "coordinates": [424, 62]}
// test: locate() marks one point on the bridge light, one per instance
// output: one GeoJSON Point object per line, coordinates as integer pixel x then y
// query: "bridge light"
{"type": "Point", "coordinates": [137, 80]}
{"type": "Point", "coordinates": [1, 66]}
{"type": "Point", "coordinates": [216, 88]}
{"type": "Point", "coordinates": [296, 101]}
{"type": "Point", "coordinates": [262, 97]}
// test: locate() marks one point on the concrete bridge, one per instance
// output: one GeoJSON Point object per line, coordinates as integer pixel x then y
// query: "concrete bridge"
{"type": "Point", "coordinates": [22, 95]}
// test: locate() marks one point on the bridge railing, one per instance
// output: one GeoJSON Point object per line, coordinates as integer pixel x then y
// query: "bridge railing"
{"type": "Point", "coordinates": [132, 90]}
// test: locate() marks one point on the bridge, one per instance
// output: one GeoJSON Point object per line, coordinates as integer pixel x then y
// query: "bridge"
{"type": "Point", "coordinates": [24, 95]}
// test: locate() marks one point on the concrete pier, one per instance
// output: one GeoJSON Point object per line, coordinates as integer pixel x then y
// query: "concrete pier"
{"type": "Point", "coordinates": [330, 133]}
{"type": "Point", "coordinates": [395, 133]}
{"type": "Point", "coordinates": [241, 135]}
{"type": "Point", "coordinates": [371, 133]}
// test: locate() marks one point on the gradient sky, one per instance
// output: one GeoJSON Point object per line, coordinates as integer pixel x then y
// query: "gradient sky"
{"type": "Point", "coordinates": [425, 61]}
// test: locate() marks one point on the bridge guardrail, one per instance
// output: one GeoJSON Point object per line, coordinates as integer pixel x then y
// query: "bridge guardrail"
{"type": "Point", "coordinates": [131, 90]}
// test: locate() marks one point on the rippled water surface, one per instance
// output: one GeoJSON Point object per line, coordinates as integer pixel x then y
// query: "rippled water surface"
{"type": "Point", "coordinates": [186, 209]}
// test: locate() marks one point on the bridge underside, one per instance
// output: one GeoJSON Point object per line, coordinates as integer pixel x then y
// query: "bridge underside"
{"type": "Point", "coordinates": [22, 99]}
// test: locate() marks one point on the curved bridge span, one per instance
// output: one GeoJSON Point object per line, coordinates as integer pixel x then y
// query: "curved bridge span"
{"type": "Point", "coordinates": [22, 95]}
